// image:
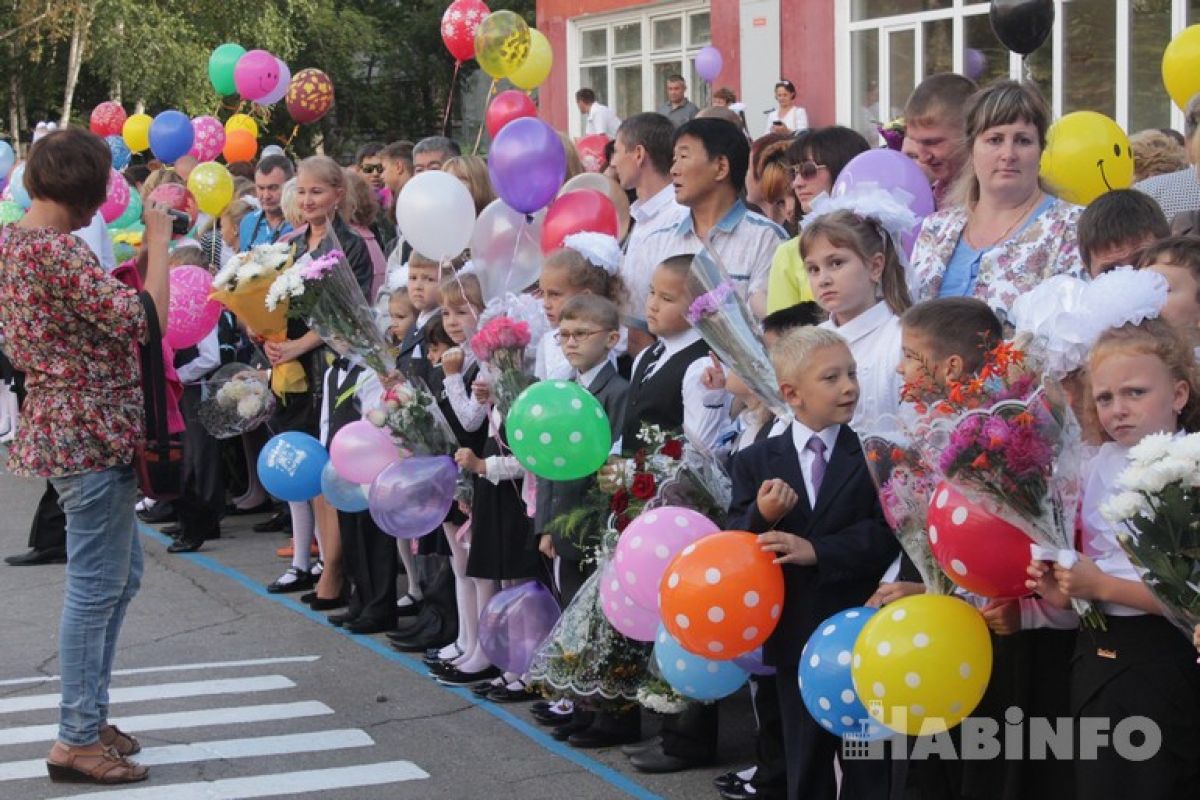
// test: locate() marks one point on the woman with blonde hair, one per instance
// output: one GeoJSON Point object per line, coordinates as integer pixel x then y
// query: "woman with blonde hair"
{"type": "Point", "coordinates": [473, 172]}
{"type": "Point", "coordinates": [361, 211]}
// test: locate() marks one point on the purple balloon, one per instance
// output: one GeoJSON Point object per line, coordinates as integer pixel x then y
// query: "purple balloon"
{"type": "Point", "coordinates": [411, 497]}
{"type": "Point", "coordinates": [515, 623]}
{"type": "Point", "coordinates": [890, 170]}
{"type": "Point", "coordinates": [752, 662]}
{"type": "Point", "coordinates": [527, 164]}
{"type": "Point", "coordinates": [974, 63]}
{"type": "Point", "coordinates": [709, 63]}
{"type": "Point", "coordinates": [281, 88]}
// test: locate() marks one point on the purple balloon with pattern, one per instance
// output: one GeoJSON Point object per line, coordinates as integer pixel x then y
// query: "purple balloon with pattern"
{"type": "Point", "coordinates": [412, 496]}
{"type": "Point", "coordinates": [515, 623]}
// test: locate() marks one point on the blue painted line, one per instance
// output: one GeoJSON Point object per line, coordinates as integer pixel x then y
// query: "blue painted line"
{"type": "Point", "coordinates": [601, 771]}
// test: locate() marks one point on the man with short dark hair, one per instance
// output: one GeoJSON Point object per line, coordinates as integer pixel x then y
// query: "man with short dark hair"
{"type": "Point", "coordinates": [600, 118]}
{"type": "Point", "coordinates": [432, 152]}
{"type": "Point", "coordinates": [368, 163]}
{"type": "Point", "coordinates": [397, 160]}
{"type": "Point", "coordinates": [266, 225]}
{"type": "Point", "coordinates": [678, 108]}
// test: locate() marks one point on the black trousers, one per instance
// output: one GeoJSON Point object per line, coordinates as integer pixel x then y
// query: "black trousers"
{"type": "Point", "coordinates": [692, 733]}
{"type": "Point", "coordinates": [810, 751]}
{"type": "Point", "coordinates": [203, 500]}
{"type": "Point", "coordinates": [372, 563]}
{"type": "Point", "coordinates": [769, 757]}
{"type": "Point", "coordinates": [571, 576]}
{"type": "Point", "coordinates": [49, 526]}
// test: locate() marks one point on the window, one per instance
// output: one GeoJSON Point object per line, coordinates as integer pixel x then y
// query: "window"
{"type": "Point", "coordinates": [626, 57]}
{"type": "Point", "coordinates": [1149, 34]}
{"type": "Point", "coordinates": [1089, 57]}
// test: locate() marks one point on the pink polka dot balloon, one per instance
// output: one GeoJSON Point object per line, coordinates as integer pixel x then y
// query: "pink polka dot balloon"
{"type": "Point", "coordinates": [117, 198]}
{"type": "Point", "coordinates": [192, 315]}
{"type": "Point", "coordinates": [976, 549]}
{"type": "Point", "coordinates": [649, 544]}
{"type": "Point", "coordinates": [210, 139]}
{"type": "Point", "coordinates": [626, 616]}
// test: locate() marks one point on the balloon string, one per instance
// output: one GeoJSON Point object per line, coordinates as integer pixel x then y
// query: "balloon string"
{"type": "Point", "coordinates": [295, 130]}
{"type": "Point", "coordinates": [447, 263]}
{"type": "Point", "coordinates": [450, 96]}
{"type": "Point", "coordinates": [483, 122]}
{"type": "Point", "coordinates": [525, 220]}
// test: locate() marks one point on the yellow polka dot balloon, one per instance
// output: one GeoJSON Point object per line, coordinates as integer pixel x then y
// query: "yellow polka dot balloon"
{"type": "Point", "coordinates": [921, 664]}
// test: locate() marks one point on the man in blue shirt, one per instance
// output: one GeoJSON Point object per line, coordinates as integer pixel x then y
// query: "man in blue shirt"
{"type": "Point", "coordinates": [267, 225]}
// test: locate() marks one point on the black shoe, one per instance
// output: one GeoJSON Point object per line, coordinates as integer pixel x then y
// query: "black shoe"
{"type": "Point", "coordinates": [422, 628]}
{"type": "Point", "coordinates": [432, 658]}
{"type": "Point", "coordinates": [482, 688]}
{"type": "Point", "coordinates": [232, 510]}
{"type": "Point", "coordinates": [729, 780]}
{"type": "Point", "coordinates": [745, 790]}
{"type": "Point", "coordinates": [503, 694]}
{"type": "Point", "coordinates": [321, 604]}
{"type": "Point", "coordinates": [564, 732]}
{"type": "Point", "coordinates": [367, 626]}
{"type": "Point", "coordinates": [162, 512]}
{"type": "Point", "coordinates": [592, 738]}
{"type": "Point", "coordinates": [550, 719]}
{"type": "Point", "coordinates": [174, 529]}
{"type": "Point", "coordinates": [32, 558]}
{"type": "Point", "coordinates": [634, 748]}
{"type": "Point", "coordinates": [303, 580]}
{"type": "Point", "coordinates": [457, 677]}
{"type": "Point", "coordinates": [308, 597]}
{"type": "Point", "coordinates": [280, 522]}
{"type": "Point", "coordinates": [182, 545]}
{"type": "Point", "coordinates": [418, 645]}
{"type": "Point", "coordinates": [410, 609]}
{"type": "Point", "coordinates": [656, 762]}
{"type": "Point", "coordinates": [338, 620]}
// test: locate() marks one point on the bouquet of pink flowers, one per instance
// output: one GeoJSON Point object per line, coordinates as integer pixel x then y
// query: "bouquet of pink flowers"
{"type": "Point", "coordinates": [501, 342]}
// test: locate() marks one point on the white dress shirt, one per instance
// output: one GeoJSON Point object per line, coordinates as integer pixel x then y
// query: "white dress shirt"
{"type": "Point", "coordinates": [801, 433]}
{"type": "Point", "coordinates": [422, 318]}
{"type": "Point", "coordinates": [95, 236]}
{"type": "Point", "coordinates": [585, 379]}
{"type": "Point", "coordinates": [368, 394]}
{"type": "Point", "coordinates": [649, 215]}
{"type": "Point", "coordinates": [602, 119]}
{"type": "Point", "coordinates": [208, 359]}
{"type": "Point", "coordinates": [796, 119]}
{"type": "Point", "coordinates": [874, 338]}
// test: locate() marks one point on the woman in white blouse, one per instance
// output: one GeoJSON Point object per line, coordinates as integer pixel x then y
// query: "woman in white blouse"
{"type": "Point", "coordinates": [787, 117]}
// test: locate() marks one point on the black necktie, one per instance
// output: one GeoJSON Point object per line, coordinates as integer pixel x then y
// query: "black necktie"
{"type": "Point", "coordinates": [652, 360]}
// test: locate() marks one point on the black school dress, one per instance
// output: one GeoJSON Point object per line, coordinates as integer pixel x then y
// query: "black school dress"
{"type": "Point", "coordinates": [503, 546]}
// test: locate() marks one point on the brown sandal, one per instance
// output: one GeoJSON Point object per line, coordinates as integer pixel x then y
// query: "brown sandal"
{"type": "Point", "coordinates": [106, 767]}
{"type": "Point", "coordinates": [119, 740]}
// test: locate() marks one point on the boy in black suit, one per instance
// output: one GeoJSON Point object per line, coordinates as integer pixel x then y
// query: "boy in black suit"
{"type": "Point", "coordinates": [424, 280]}
{"type": "Point", "coordinates": [808, 492]}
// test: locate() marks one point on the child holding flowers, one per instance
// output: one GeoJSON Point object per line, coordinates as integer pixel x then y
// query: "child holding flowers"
{"type": "Point", "coordinates": [1144, 392]}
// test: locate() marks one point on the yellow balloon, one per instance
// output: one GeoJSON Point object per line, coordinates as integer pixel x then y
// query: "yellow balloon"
{"type": "Point", "coordinates": [922, 663]}
{"type": "Point", "coordinates": [1181, 66]}
{"type": "Point", "coordinates": [241, 122]}
{"type": "Point", "coordinates": [212, 186]}
{"type": "Point", "coordinates": [136, 132]}
{"type": "Point", "coordinates": [536, 68]}
{"type": "Point", "coordinates": [1086, 155]}
{"type": "Point", "coordinates": [501, 43]}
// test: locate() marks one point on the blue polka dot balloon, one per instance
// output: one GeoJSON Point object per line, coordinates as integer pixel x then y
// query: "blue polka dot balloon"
{"type": "Point", "coordinates": [824, 677]}
{"type": "Point", "coordinates": [693, 676]}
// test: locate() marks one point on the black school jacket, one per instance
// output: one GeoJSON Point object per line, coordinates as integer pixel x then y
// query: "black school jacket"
{"type": "Point", "coordinates": [853, 543]}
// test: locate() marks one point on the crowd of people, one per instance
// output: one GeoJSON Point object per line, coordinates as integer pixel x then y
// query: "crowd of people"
{"type": "Point", "coordinates": [850, 318]}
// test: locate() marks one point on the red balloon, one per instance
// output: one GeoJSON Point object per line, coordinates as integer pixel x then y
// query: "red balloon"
{"type": "Point", "coordinates": [978, 551]}
{"type": "Point", "coordinates": [506, 107]}
{"type": "Point", "coordinates": [107, 119]}
{"type": "Point", "coordinates": [582, 210]}
{"type": "Point", "coordinates": [591, 152]}
{"type": "Point", "coordinates": [309, 97]}
{"type": "Point", "coordinates": [459, 22]}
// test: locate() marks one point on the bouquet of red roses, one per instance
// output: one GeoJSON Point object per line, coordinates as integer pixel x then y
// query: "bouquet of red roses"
{"type": "Point", "coordinates": [501, 342]}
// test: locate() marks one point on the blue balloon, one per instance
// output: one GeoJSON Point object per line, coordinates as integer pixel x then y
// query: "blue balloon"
{"type": "Point", "coordinates": [693, 676]}
{"type": "Point", "coordinates": [120, 152]}
{"type": "Point", "coordinates": [824, 677]}
{"type": "Point", "coordinates": [171, 136]}
{"type": "Point", "coordinates": [341, 493]}
{"type": "Point", "coordinates": [7, 158]}
{"type": "Point", "coordinates": [290, 466]}
{"type": "Point", "coordinates": [16, 187]}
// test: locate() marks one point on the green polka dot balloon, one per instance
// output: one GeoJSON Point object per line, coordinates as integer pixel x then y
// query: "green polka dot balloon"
{"type": "Point", "coordinates": [557, 430]}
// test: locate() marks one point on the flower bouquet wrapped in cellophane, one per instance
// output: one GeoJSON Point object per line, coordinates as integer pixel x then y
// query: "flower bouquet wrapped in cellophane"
{"type": "Point", "coordinates": [322, 291]}
{"type": "Point", "coordinates": [725, 322]}
{"type": "Point", "coordinates": [584, 657]}
{"type": "Point", "coordinates": [411, 414]}
{"type": "Point", "coordinates": [501, 342]}
{"type": "Point", "coordinates": [237, 401]}
{"type": "Point", "coordinates": [242, 286]}
{"type": "Point", "coordinates": [1160, 509]}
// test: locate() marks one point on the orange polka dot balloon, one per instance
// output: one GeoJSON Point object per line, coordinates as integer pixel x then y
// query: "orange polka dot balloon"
{"type": "Point", "coordinates": [721, 597]}
{"type": "Point", "coordinates": [310, 96]}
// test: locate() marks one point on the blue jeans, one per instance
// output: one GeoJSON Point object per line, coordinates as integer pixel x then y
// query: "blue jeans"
{"type": "Point", "coordinates": [104, 570]}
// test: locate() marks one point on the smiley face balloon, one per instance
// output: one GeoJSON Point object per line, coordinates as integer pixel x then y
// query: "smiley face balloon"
{"type": "Point", "coordinates": [1087, 154]}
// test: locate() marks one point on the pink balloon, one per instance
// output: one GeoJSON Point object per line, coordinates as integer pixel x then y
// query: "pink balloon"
{"type": "Point", "coordinates": [626, 616]}
{"type": "Point", "coordinates": [256, 74]}
{"type": "Point", "coordinates": [647, 546]}
{"type": "Point", "coordinates": [281, 89]}
{"type": "Point", "coordinates": [210, 138]}
{"type": "Point", "coordinates": [360, 451]}
{"type": "Point", "coordinates": [117, 198]}
{"type": "Point", "coordinates": [192, 315]}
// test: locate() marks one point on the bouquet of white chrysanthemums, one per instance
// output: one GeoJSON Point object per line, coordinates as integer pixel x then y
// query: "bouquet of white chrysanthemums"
{"type": "Point", "coordinates": [1159, 505]}
{"type": "Point", "coordinates": [239, 400]}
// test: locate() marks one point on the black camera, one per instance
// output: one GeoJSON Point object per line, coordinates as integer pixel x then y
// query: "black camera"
{"type": "Point", "coordinates": [180, 222]}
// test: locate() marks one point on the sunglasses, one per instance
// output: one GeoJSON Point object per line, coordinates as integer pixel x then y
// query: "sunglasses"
{"type": "Point", "coordinates": [371, 169]}
{"type": "Point", "coordinates": [806, 169]}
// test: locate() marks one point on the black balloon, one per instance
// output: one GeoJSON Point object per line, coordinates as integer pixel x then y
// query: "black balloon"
{"type": "Point", "coordinates": [1022, 25]}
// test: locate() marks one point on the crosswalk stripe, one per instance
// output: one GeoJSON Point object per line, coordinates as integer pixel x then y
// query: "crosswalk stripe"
{"type": "Point", "coordinates": [250, 662]}
{"type": "Point", "coordinates": [162, 691]}
{"type": "Point", "coordinates": [181, 719]}
{"type": "Point", "coordinates": [316, 741]}
{"type": "Point", "coordinates": [278, 784]}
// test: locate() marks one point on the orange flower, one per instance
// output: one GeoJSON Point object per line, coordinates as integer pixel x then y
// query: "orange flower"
{"type": "Point", "coordinates": [981, 462]}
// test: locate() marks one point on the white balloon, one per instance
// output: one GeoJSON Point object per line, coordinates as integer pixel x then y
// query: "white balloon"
{"type": "Point", "coordinates": [281, 88]}
{"type": "Point", "coordinates": [506, 249]}
{"type": "Point", "coordinates": [436, 214]}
